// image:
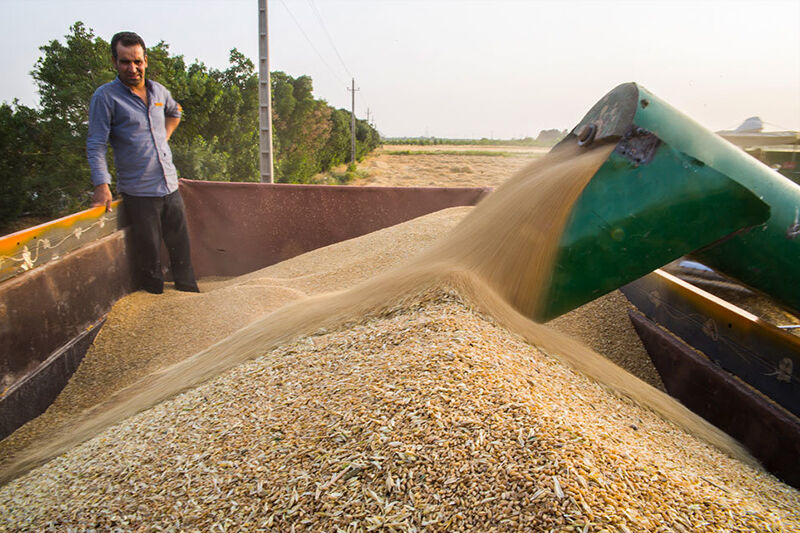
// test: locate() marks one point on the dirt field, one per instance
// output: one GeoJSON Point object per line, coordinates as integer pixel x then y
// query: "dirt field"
{"type": "Point", "coordinates": [442, 166]}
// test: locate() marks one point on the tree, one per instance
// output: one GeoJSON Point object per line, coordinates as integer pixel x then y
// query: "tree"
{"type": "Point", "coordinates": [14, 171]}
{"type": "Point", "coordinates": [302, 126]}
{"type": "Point", "coordinates": [550, 137]}
{"type": "Point", "coordinates": [65, 75]}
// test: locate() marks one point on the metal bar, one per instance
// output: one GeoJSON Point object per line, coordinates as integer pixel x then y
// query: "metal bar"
{"type": "Point", "coordinates": [33, 247]}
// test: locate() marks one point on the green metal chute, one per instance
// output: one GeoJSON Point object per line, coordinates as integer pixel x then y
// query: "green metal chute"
{"type": "Point", "coordinates": [672, 188]}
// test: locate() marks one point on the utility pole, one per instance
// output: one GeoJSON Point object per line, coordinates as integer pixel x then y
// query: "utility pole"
{"type": "Point", "coordinates": [264, 96]}
{"type": "Point", "coordinates": [353, 122]}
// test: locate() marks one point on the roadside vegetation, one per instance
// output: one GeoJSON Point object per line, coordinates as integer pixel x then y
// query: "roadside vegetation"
{"type": "Point", "coordinates": [43, 169]}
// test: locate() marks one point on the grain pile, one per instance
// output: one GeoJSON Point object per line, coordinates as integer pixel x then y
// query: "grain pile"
{"type": "Point", "coordinates": [145, 333]}
{"type": "Point", "coordinates": [603, 325]}
{"type": "Point", "coordinates": [427, 417]}
{"type": "Point", "coordinates": [413, 401]}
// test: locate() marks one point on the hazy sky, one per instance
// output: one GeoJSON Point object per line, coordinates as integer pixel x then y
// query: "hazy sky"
{"type": "Point", "coordinates": [465, 68]}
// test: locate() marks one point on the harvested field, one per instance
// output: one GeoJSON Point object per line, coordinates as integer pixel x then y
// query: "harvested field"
{"type": "Point", "coordinates": [445, 166]}
{"type": "Point", "coordinates": [533, 151]}
{"type": "Point", "coordinates": [413, 398]}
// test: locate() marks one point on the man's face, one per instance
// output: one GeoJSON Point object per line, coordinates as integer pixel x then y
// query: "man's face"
{"type": "Point", "coordinates": [131, 63]}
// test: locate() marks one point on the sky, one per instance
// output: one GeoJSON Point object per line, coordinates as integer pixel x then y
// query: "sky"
{"type": "Point", "coordinates": [464, 68]}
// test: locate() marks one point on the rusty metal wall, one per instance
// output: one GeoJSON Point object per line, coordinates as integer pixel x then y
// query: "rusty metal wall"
{"type": "Point", "coordinates": [769, 432]}
{"type": "Point", "coordinates": [45, 312]}
{"type": "Point", "coordinates": [237, 228]}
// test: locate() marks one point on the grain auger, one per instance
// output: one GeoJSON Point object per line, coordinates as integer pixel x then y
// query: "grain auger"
{"type": "Point", "coordinates": [672, 188]}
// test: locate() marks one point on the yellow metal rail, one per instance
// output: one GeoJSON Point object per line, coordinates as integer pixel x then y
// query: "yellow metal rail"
{"type": "Point", "coordinates": [32, 247]}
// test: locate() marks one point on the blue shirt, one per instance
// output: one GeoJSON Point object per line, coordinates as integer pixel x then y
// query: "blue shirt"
{"type": "Point", "coordinates": [137, 134]}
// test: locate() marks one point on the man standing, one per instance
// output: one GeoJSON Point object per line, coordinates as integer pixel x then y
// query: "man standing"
{"type": "Point", "coordinates": [137, 116]}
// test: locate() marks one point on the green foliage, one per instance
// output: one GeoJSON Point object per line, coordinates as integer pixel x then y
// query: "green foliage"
{"type": "Point", "coordinates": [550, 136]}
{"type": "Point", "coordinates": [43, 167]}
{"type": "Point", "coordinates": [14, 174]}
{"type": "Point", "coordinates": [337, 148]}
{"type": "Point", "coordinates": [65, 75]}
{"type": "Point", "coordinates": [218, 135]}
{"type": "Point", "coordinates": [311, 136]}
{"type": "Point", "coordinates": [37, 161]}
{"type": "Point", "coordinates": [302, 126]}
{"type": "Point", "coordinates": [337, 177]}
{"type": "Point", "coordinates": [202, 159]}
{"type": "Point", "coordinates": [367, 139]}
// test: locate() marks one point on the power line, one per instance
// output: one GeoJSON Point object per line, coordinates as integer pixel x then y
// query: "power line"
{"type": "Point", "coordinates": [330, 39]}
{"type": "Point", "coordinates": [336, 77]}
{"type": "Point", "coordinates": [333, 46]}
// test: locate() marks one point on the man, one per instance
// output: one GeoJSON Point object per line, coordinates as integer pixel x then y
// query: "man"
{"type": "Point", "coordinates": [138, 116]}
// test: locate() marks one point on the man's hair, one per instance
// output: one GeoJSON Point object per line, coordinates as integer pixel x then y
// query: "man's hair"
{"type": "Point", "coordinates": [127, 38]}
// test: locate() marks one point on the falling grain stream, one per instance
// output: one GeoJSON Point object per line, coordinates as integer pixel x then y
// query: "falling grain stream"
{"type": "Point", "coordinates": [420, 398]}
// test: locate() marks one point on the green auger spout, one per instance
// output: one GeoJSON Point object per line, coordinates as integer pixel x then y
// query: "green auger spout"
{"type": "Point", "coordinates": [672, 188]}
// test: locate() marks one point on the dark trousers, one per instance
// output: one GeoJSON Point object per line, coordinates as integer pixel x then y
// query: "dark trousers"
{"type": "Point", "coordinates": [150, 219]}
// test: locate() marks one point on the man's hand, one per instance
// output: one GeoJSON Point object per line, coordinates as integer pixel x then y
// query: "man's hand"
{"type": "Point", "coordinates": [102, 196]}
{"type": "Point", "coordinates": [170, 123]}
